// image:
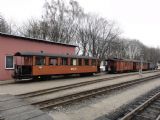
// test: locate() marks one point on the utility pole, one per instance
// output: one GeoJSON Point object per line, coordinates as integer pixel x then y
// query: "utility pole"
{"type": "Point", "coordinates": [141, 64]}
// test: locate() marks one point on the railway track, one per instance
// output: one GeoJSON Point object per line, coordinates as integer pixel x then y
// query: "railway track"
{"type": "Point", "coordinates": [65, 87]}
{"type": "Point", "coordinates": [147, 110]}
{"type": "Point", "coordinates": [3, 83]}
{"type": "Point", "coordinates": [46, 104]}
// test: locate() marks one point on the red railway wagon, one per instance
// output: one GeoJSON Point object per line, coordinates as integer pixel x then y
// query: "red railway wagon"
{"type": "Point", "coordinates": [119, 65]}
{"type": "Point", "coordinates": [31, 65]}
{"type": "Point", "coordinates": [123, 65]}
{"type": "Point", "coordinates": [145, 66]}
{"type": "Point", "coordinates": [137, 65]}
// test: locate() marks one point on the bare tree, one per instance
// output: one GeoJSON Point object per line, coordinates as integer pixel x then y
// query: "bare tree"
{"type": "Point", "coordinates": [4, 27]}
{"type": "Point", "coordinates": [58, 23]}
{"type": "Point", "coordinates": [31, 29]}
{"type": "Point", "coordinates": [62, 20]}
{"type": "Point", "coordinates": [133, 48]}
{"type": "Point", "coordinates": [95, 35]}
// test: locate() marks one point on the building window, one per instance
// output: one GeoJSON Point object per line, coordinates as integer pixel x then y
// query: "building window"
{"type": "Point", "coordinates": [40, 61]}
{"type": "Point", "coordinates": [9, 63]}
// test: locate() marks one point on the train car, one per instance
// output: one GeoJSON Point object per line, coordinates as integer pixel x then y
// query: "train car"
{"type": "Point", "coordinates": [137, 65]}
{"type": "Point", "coordinates": [145, 66]}
{"type": "Point", "coordinates": [123, 65]}
{"type": "Point", "coordinates": [31, 65]}
{"type": "Point", "coordinates": [119, 65]}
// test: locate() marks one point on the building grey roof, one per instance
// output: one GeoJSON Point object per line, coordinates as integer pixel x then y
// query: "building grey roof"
{"type": "Point", "coordinates": [51, 55]}
{"type": "Point", "coordinates": [34, 39]}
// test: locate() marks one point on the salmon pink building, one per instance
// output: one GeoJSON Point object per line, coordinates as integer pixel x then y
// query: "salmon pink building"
{"type": "Point", "coordinates": [10, 44]}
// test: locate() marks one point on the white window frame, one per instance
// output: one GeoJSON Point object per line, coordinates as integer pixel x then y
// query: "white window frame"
{"type": "Point", "coordinates": [5, 62]}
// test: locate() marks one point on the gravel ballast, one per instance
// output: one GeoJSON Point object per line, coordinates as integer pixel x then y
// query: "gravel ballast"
{"type": "Point", "coordinates": [105, 105]}
{"type": "Point", "coordinates": [21, 88]}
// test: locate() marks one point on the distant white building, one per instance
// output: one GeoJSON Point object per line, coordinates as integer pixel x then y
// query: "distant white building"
{"type": "Point", "coordinates": [158, 65]}
{"type": "Point", "coordinates": [103, 66]}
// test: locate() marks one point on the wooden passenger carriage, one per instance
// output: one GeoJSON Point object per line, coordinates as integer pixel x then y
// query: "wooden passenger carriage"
{"type": "Point", "coordinates": [124, 65]}
{"type": "Point", "coordinates": [31, 65]}
{"type": "Point", "coordinates": [119, 65]}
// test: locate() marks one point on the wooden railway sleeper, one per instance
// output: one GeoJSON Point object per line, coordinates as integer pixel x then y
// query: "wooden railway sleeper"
{"type": "Point", "coordinates": [141, 107]}
{"type": "Point", "coordinates": [91, 94]}
{"type": "Point", "coordinates": [158, 118]}
{"type": "Point", "coordinates": [40, 92]}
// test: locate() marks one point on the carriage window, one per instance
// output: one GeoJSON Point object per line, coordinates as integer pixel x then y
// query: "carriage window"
{"type": "Point", "coordinates": [79, 62]}
{"type": "Point", "coordinates": [64, 61]}
{"type": "Point", "coordinates": [27, 60]}
{"type": "Point", "coordinates": [9, 62]}
{"type": "Point", "coordinates": [73, 61]}
{"type": "Point", "coordinates": [40, 61]}
{"type": "Point", "coordinates": [86, 62]}
{"type": "Point", "coordinates": [94, 62]}
{"type": "Point", "coordinates": [53, 61]}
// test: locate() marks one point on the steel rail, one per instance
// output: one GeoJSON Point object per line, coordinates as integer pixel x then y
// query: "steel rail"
{"type": "Point", "coordinates": [141, 107]}
{"type": "Point", "coordinates": [65, 87]}
{"type": "Point", "coordinates": [89, 93]}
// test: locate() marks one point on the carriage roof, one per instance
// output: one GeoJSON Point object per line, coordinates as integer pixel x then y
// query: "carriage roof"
{"type": "Point", "coordinates": [51, 55]}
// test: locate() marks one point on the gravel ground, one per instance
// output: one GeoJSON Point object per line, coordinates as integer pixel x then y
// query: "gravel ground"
{"type": "Point", "coordinates": [20, 88]}
{"type": "Point", "coordinates": [28, 86]}
{"type": "Point", "coordinates": [124, 109]}
{"type": "Point", "coordinates": [103, 105]}
{"type": "Point", "coordinates": [84, 88]}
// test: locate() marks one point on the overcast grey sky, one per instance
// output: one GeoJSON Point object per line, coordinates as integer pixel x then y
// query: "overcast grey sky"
{"type": "Point", "coordinates": [138, 19]}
